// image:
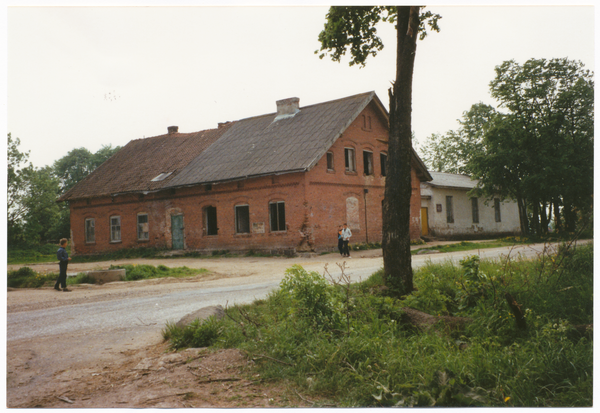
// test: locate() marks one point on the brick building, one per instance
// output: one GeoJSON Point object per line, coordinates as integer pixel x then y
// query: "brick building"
{"type": "Point", "coordinates": [282, 181]}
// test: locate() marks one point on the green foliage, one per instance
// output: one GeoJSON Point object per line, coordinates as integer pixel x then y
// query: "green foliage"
{"type": "Point", "coordinates": [196, 334]}
{"type": "Point", "coordinates": [25, 277]}
{"type": "Point", "coordinates": [381, 361]}
{"type": "Point", "coordinates": [142, 272]}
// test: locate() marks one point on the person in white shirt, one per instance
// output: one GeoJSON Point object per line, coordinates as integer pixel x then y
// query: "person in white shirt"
{"type": "Point", "coordinates": [346, 234]}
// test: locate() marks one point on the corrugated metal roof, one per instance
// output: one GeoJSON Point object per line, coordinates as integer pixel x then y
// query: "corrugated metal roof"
{"type": "Point", "coordinates": [262, 146]}
{"type": "Point", "coordinates": [446, 180]}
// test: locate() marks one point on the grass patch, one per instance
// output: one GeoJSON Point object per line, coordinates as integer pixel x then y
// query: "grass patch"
{"type": "Point", "coordinates": [349, 343]}
{"type": "Point", "coordinates": [25, 277]}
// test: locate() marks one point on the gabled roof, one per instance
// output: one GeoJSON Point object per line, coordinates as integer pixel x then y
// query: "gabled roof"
{"type": "Point", "coordinates": [261, 145]}
{"type": "Point", "coordinates": [252, 147]}
{"type": "Point", "coordinates": [447, 180]}
{"type": "Point", "coordinates": [133, 168]}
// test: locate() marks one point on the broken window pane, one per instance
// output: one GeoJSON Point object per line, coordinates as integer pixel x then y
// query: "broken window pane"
{"type": "Point", "coordinates": [350, 164]}
{"type": "Point", "coordinates": [90, 234]}
{"type": "Point", "coordinates": [368, 162]}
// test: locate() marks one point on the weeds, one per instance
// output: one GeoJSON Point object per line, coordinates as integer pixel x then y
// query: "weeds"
{"type": "Point", "coordinates": [348, 342]}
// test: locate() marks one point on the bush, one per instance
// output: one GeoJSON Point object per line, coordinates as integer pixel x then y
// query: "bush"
{"type": "Point", "coordinates": [25, 277]}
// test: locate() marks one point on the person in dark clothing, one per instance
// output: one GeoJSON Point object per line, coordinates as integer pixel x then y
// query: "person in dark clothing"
{"type": "Point", "coordinates": [346, 234]}
{"type": "Point", "coordinates": [63, 261]}
{"type": "Point", "coordinates": [340, 240]}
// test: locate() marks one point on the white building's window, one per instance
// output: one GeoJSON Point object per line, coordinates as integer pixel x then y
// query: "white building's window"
{"type": "Point", "coordinates": [115, 229]}
{"type": "Point", "coordinates": [475, 210]}
{"type": "Point", "coordinates": [143, 232]}
{"type": "Point", "coordinates": [497, 210]}
{"type": "Point", "coordinates": [449, 210]}
{"type": "Point", "coordinates": [90, 232]}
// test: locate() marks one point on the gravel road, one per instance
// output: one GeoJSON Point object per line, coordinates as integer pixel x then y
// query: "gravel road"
{"type": "Point", "coordinates": [95, 325]}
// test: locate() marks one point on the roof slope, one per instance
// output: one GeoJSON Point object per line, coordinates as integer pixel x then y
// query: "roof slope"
{"type": "Point", "coordinates": [261, 146]}
{"type": "Point", "coordinates": [447, 180]}
{"type": "Point", "coordinates": [133, 167]}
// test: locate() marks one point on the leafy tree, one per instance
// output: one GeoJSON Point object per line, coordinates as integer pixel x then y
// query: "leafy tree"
{"type": "Point", "coordinates": [17, 177]}
{"type": "Point", "coordinates": [452, 151]}
{"type": "Point", "coordinates": [42, 211]}
{"type": "Point", "coordinates": [353, 29]}
{"type": "Point", "coordinates": [540, 152]}
{"type": "Point", "coordinates": [79, 163]}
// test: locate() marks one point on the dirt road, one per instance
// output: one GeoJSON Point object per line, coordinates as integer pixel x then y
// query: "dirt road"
{"type": "Point", "coordinates": [101, 345]}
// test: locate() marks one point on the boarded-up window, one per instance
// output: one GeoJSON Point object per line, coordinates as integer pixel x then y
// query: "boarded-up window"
{"type": "Point", "coordinates": [143, 232]}
{"type": "Point", "coordinates": [497, 210]}
{"type": "Point", "coordinates": [352, 214]}
{"type": "Point", "coordinates": [90, 230]}
{"type": "Point", "coordinates": [210, 216]}
{"type": "Point", "coordinates": [368, 162]}
{"type": "Point", "coordinates": [115, 229]}
{"type": "Point", "coordinates": [277, 216]}
{"type": "Point", "coordinates": [350, 160]}
{"type": "Point", "coordinates": [475, 210]}
{"type": "Point", "coordinates": [242, 219]}
{"type": "Point", "coordinates": [330, 161]}
{"type": "Point", "coordinates": [449, 210]}
{"type": "Point", "coordinates": [383, 162]}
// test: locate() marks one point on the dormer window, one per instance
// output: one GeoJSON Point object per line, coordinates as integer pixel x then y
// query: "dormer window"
{"type": "Point", "coordinates": [162, 176]}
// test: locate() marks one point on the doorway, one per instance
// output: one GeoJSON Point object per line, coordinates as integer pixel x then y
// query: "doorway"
{"type": "Point", "coordinates": [177, 231]}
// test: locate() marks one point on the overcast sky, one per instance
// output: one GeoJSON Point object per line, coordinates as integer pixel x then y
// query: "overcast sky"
{"type": "Point", "coordinates": [89, 76]}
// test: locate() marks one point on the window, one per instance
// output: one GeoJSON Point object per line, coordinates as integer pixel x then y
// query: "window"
{"type": "Point", "coordinates": [330, 161]}
{"type": "Point", "coordinates": [350, 164]}
{"type": "Point", "coordinates": [383, 162]}
{"type": "Point", "coordinates": [210, 216]}
{"type": "Point", "coordinates": [161, 177]}
{"type": "Point", "coordinates": [368, 162]}
{"type": "Point", "coordinates": [143, 233]}
{"type": "Point", "coordinates": [277, 216]}
{"type": "Point", "coordinates": [366, 122]}
{"type": "Point", "coordinates": [90, 234]}
{"type": "Point", "coordinates": [242, 219]}
{"type": "Point", "coordinates": [115, 229]}
{"type": "Point", "coordinates": [497, 210]}
{"type": "Point", "coordinates": [475, 210]}
{"type": "Point", "coordinates": [449, 210]}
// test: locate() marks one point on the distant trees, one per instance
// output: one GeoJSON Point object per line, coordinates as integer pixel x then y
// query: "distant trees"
{"type": "Point", "coordinates": [33, 215]}
{"type": "Point", "coordinates": [539, 153]}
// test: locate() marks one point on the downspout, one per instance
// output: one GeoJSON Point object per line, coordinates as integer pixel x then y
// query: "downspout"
{"type": "Point", "coordinates": [366, 191]}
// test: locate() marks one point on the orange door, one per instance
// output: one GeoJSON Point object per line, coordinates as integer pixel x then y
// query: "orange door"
{"type": "Point", "coordinates": [424, 222]}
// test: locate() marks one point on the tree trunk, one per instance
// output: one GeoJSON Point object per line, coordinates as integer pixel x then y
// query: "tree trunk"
{"type": "Point", "coordinates": [396, 207]}
{"type": "Point", "coordinates": [523, 216]}
{"type": "Point", "coordinates": [557, 223]}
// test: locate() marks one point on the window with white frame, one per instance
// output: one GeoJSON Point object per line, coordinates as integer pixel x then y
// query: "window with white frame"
{"type": "Point", "coordinates": [90, 231]}
{"type": "Point", "coordinates": [350, 160]}
{"type": "Point", "coordinates": [143, 232]}
{"type": "Point", "coordinates": [115, 229]}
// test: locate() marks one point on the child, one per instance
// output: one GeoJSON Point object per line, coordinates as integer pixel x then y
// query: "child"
{"type": "Point", "coordinates": [63, 261]}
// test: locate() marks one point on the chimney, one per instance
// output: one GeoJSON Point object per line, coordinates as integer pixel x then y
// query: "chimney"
{"type": "Point", "coordinates": [287, 108]}
{"type": "Point", "coordinates": [172, 129]}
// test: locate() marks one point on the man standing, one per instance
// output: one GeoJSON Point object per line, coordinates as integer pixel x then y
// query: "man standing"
{"type": "Point", "coordinates": [63, 261]}
{"type": "Point", "coordinates": [346, 234]}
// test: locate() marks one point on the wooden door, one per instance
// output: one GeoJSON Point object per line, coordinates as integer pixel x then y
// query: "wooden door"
{"type": "Point", "coordinates": [177, 231]}
{"type": "Point", "coordinates": [424, 221]}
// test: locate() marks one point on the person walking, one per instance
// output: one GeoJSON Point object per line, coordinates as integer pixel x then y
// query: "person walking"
{"type": "Point", "coordinates": [346, 234]}
{"type": "Point", "coordinates": [340, 240]}
{"type": "Point", "coordinates": [63, 261]}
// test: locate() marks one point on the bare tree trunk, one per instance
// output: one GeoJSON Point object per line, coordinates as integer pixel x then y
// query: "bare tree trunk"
{"type": "Point", "coordinates": [396, 207]}
{"type": "Point", "coordinates": [523, 216]}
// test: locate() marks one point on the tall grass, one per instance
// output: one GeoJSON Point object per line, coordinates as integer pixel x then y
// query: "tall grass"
{"type": "Point", "coordinates": [351, 344]}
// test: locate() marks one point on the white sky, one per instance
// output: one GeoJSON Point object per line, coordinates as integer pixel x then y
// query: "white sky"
{"type": "Point", "coordinates": [90, 76]}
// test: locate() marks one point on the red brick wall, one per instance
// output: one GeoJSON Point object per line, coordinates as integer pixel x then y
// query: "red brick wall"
{"type": "Point", "coordinates": [315, 204]}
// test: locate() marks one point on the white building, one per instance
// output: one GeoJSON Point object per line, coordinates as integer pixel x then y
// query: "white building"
{"type": "Point", "coordinates": [448, 212]}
